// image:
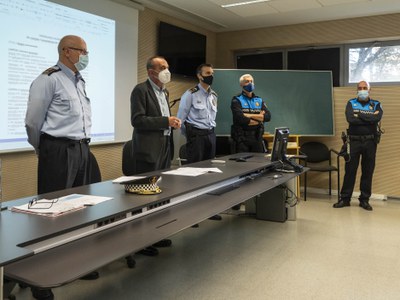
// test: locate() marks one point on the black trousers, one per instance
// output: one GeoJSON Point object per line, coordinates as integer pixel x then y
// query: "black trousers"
{"type": "Point", "coordinates": [366, 150]}
{"type": "Point", "coordinates": [250, 142]}
{"type": "Point", "coordinates": [63, 164]}
{"type": "Point", "coordinates": [201, 145]}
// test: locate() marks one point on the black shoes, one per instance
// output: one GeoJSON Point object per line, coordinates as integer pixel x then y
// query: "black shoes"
{"type": "Point", "coordinates": [365, 205]}
{"type": "Point", "coordinates": [236, 207]}
{"type": "Point", "coordinates": [130, 261]}
{"type": "Point", "coordinates": [341, 204]}
{"type": "Point", "coordinates": [149, 251]}
{"type": "Point", "coordinates": [47, 294]}
{"type": "Point", "coordinates": [91, 276]}
{"type": "Point", "coordinates": [216, 218]}
{"type": "Point", "coordinates": [163, 243]}
{"type": "Point", "coordinates": [152, 250]}
{"type": "Point", "coordinates": [42, 294]}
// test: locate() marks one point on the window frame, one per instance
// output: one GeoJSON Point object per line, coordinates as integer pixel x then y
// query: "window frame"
{"type": "Point", "coordinates": [347, 48]}
{"type": "Point", "coordinates": [344, 57]}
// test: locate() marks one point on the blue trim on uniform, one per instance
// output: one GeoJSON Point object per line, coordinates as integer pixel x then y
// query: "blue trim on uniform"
{"type": "Point", "coordinates": [254, 104]}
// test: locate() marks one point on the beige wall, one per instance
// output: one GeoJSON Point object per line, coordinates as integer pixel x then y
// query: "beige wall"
{"type": "Point", "coordinates": [19, 169]}
{"type": "Point", "coordinates": [326, 33]}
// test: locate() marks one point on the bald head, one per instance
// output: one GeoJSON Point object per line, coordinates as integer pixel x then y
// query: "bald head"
{"type": "Point", "coordinates": [73, 41]}
{"type": "Point", "coordinates": [69, 49]}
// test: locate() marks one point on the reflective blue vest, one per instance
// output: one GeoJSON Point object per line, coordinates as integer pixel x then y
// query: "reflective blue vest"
{"type": "Point", "coordinates": [250, 105]}
{"type": "Point", "coordinates": [370, 108]}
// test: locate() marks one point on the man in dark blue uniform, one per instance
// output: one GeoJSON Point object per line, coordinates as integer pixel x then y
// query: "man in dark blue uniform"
{"type": "Point", "coordinates": [249, 114]}
{"type": "Point", "coordinates": [363, 115]}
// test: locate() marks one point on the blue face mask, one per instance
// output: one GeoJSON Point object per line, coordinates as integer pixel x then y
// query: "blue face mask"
{"type": "Point", "coordinates": [82, 63]}
{"type": "Point", "coordinates": [363, 95]}
{"type": "Point", "coordinates": [249, 88]}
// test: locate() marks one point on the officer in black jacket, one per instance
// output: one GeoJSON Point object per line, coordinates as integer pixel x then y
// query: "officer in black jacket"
{"type": "Point", "coordinates": [249, 114]}
{"type": "Point", "coordinates": [363, 115]}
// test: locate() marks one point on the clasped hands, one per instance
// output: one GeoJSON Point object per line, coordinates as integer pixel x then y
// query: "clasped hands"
{"type": "Point", "coordinates": [174, 122]}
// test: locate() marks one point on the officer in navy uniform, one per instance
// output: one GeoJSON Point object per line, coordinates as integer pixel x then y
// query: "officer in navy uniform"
{"type": "Point", "coordinates": [363, 115]}
{"type": "Point", "coordinates": [58, 124]}
{"type": "Point", "coordinates": [197, 111]}
{"type": "Point", "coordinates": [249, 114]}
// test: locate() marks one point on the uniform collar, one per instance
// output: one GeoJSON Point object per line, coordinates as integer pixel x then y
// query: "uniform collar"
{"type": "Point", "coordinates": [252, 95]}
{"type": "Point", "coordinates": [66, 70]}
{"type": "Point", "coordinates": [208, 91]}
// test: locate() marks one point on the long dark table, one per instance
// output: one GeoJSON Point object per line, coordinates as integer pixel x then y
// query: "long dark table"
{"type": "Point", "coordinates": [131, 222]}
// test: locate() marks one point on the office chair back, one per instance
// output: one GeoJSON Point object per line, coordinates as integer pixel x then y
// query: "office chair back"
{"type": "Point", "coordinates": [128, 160]}
{"type": "Point", "coordinates": [182, 159]}
{"type": "Point", "coordinates": [319, 157]}
{"type": "Point", "coordinates": [95, 174]}
{"type": "Point", "coordinates": [316, 152]}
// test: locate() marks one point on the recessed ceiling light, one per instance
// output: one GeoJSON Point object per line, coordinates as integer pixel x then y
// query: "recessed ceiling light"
{"type": "Point", "coordinates": [243, 3]}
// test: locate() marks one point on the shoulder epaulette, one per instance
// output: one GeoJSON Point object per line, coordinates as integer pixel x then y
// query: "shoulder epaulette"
{"type": "Point", "coordinates": [194, 89]}
{"type": "Point", "coordinates": [214, 93]}
{"type": "Point", "coordinates": [51, 70]}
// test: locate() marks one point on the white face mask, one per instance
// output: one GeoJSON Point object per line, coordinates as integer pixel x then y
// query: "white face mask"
{"type": "Point", "coordinates": [82, 63]}
{"type": "Point", "coordinates": [363, 94]}
{"type": "Point", "coordinates": [164, 76]}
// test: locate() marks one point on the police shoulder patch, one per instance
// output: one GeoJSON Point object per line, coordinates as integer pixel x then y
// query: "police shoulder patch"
{"type": "Point", "coordinates": [194, 89]}
{"type": "Point", "coordinates": [51, 70]}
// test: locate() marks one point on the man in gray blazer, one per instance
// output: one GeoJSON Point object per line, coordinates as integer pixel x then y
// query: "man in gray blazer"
{"type": "Point", "coordinates": [152, 120]}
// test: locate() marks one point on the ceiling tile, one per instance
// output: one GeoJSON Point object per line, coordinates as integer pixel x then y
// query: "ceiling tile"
{"type": "Point", "coordinates": [336, 2]}
{"type": "Point", "coordinates": [294, 5]}
{"type": "Point", "coordinates": [251, 10]}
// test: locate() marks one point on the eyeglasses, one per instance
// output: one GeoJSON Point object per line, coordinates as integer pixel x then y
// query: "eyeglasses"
{"type": "Point", "coordinates": [41, 204]}
{"type": "Point", "coordinates": [83, 51]}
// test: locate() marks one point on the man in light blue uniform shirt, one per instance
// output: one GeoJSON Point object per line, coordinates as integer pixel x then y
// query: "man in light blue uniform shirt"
{"type": "Point", "coordinates": [58, 119]}
{"type": "Point", "coordinates": [197, 111]}
{"type": "Point", "coordinates": [58, 123]}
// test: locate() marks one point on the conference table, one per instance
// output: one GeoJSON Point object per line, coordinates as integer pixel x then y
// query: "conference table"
{"type": "Point", "coordinates": [48, 252]}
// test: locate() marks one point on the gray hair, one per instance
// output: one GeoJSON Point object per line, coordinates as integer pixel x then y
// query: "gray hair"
{"type": "Point", "coordinates": [243, 77]}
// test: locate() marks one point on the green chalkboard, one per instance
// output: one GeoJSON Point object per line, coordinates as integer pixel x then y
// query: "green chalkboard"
{"type": "Point", "coordinates": [300, 100]}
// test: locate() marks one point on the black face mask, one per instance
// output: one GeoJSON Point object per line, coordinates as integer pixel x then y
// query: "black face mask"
{"type": "Point", "coordinates": [208, 79]}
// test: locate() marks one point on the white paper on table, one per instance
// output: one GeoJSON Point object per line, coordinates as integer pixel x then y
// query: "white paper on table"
{"type": "Point", "coordinates": [126, 178]}
{"type": "Point", "coordinates": [46, 207]}
{"type": "Point", "coordinates": [190, 171]}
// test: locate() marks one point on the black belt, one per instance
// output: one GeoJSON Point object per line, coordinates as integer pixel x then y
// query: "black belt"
{"type": "Point", "coordinates": [53, 138]}
{"type": "Point", "coordinates": [201, 131]}
{"type": "Point", "coordinates": [361, 137]}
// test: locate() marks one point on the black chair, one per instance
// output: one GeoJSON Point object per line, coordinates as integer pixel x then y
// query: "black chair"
{"type": "Point", "coordinates": [319, 159]}
{"type": "Point", "coordinates": [223, 146]}
{"type": "Point", "coordinates": [182, 157]}
{"type": "Point", "coordinates": [95, 174]}
{"type": "Point", "coordinates": [128, 160]}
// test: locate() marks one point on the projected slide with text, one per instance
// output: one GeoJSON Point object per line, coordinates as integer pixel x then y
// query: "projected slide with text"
{"type": "Point", "coordinates": [31, 31]}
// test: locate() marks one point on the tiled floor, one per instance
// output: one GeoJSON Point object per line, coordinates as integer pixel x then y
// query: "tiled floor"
{"type": "Point", "coordinates": [327, 253]}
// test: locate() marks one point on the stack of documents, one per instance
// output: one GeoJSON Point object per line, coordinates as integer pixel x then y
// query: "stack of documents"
{"type": "Point", "coordinates": [60, 206]}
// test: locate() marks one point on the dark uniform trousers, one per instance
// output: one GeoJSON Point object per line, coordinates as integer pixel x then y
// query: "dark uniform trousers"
{"type": "Point", "coordinates": [63, 163]}
{"type": "Point", "coordinates": [250, 142]}
{"type": "Point", "coordinates": [201, 143]}
{"type": "Point", "coordinates": [364, 147]}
